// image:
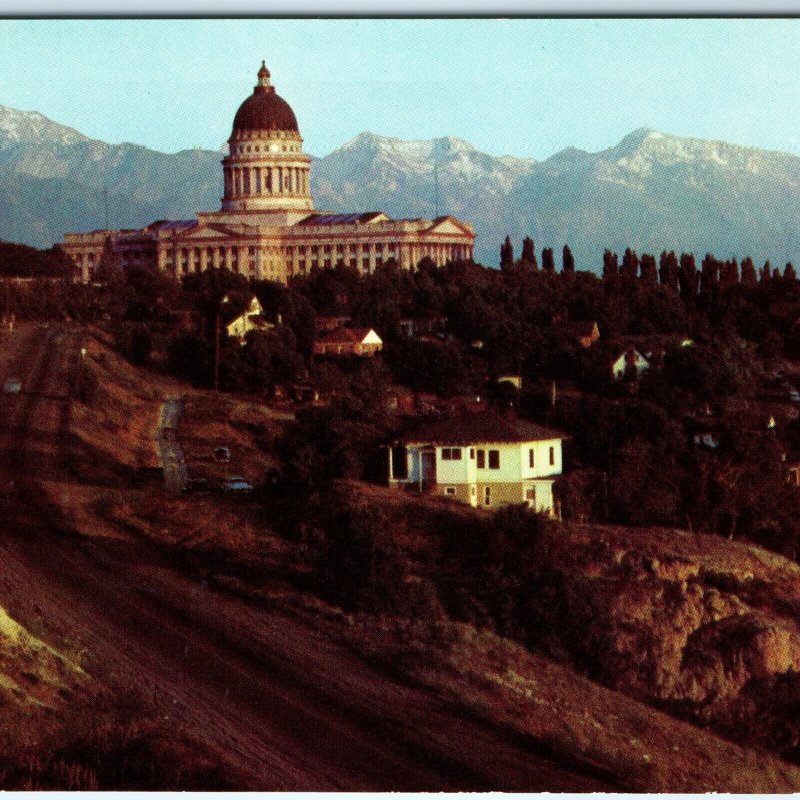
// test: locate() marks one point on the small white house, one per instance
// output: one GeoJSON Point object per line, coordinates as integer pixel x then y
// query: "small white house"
{"type": "Point", "coordinates": [629, 362]}
{"type": "Point", "coordinates": [482, 459]}
{"type": "Point", "coordinates": [252, 319]}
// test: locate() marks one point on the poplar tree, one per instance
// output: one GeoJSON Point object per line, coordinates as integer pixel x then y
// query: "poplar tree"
{"type": "Point", "coordinates": [567, 260]}
{"type": "Point", "coordinates": [610, 265]}
{"type": "Point", "coordinates": [647, 269]}
{"type": "Point", "coordinates": [668, 270]}
{"type": "Point", "coordinates": [630, 266]}
{"type": "Point", "coordinates": [548, 262]}
{"type": "Point", "coordinates": [506, 254]}
{"type": "Point", "coordinates": [687, 278]}
{"type": "Point", "coordinates": [749, 277]}
{"type": "Point", "coordinates": [528, 258]}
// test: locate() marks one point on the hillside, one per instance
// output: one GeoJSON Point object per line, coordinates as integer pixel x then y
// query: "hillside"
{"type": "Point", "coordinates": [651, 191]}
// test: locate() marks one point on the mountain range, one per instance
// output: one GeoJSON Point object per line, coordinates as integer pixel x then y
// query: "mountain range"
{"type": "Point", "coordinates": [652, 191]}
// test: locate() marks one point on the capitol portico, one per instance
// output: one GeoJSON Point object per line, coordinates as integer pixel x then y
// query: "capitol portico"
{"type": "Point", "coordinates": [267, 227]}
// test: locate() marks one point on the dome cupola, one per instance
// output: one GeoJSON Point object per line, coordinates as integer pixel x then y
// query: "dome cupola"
{"type": "Point", "coordinates": [266, 168]}
{"type": "Point", "coordinates": [264, 110]}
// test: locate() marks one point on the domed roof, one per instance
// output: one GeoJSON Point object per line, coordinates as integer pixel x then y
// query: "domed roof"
{"type": "Point", "coordinates": [264, 110]}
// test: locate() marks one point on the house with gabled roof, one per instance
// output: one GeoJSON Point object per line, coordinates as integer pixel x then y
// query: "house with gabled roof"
{"type": "Point", "coordinates": [251, 319]}
{"type": "Point", "coordinates": [348, 342]}
{"type": "Point", "coordinates": [482, 459]}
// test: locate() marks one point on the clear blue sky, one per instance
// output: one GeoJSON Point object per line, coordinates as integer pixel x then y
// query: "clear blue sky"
{"type": "Point", "coordinates": [517, 87]}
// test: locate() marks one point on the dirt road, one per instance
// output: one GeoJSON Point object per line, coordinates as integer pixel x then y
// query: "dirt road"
{"type": "Point", "coordinates": [289, 706]}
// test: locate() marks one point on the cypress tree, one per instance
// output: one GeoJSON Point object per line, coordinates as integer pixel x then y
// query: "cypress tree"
{"type": "Point", "coordinates": [728, 274]}
{"type": "Point", "coordinates": [668, 271]}
{"type": "Point", "coordinates": [749, 277]}
{"type": "Point", "coordinates": [766, 273]}
{"type": "Point", "coordinates": [709, 277]}
{"type": "Point", "coordinates": [548, 262]}
{"type": "Point", "coordinates": [610, 265]}
{"type": "Point", "coordinates": [789, 273]}
{"type": "Point", "coordinates": [630, 266]}
{"type": "Point", "coordinates": [647, 269]}
{"type": "Point", "coordinates": [687, 278]}
{"type": "Point", "coordinates": [506, 254]}
{"type": "Point", "coordinates": [528, 258]}
{"type": "Point", "coordinates": [567, 260]}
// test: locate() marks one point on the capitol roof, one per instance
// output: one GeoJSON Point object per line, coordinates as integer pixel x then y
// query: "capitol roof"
{"type": "Point", "coordinates": [264, 110]}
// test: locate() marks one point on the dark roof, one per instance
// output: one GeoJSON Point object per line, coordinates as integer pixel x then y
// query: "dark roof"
{"type": "Point", "coordinates": [345, 336]}
{"type": "Point", "coordinates": [483, 427]}
{"type": "Point", "coordinates": [264, 110]}
{"type": "Point", "coordinates": [339, 219]}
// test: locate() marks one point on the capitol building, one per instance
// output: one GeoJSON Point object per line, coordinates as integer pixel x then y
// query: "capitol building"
{"type": "Point", "coordinates": [267, 226]}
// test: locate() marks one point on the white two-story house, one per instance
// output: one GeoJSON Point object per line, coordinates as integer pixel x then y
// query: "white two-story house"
{"type": "Point", "coordinates": [482, 459]}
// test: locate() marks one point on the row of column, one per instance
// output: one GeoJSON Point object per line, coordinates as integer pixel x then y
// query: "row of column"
{"type": "Point", "coordinates": [249, 181]}
{"type": "Point", "coordinates": [440, 253]}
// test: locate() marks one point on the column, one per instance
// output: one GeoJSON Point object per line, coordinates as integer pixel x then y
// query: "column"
{"type": "Point", "coordinates": [228, 260]}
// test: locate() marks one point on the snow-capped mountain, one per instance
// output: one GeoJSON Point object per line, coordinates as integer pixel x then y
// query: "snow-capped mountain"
{"type": "Point", "coordinates": [652, 191]}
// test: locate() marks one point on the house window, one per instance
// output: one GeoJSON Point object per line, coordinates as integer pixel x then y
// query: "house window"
{"type": "Point", "coordinates": [552, 456]}
{"type": "Point", "coordinates": [487, 495]}
{"type": "Point", "coordinates": [472, 453]}
{"type": "Point", "coordinates": [327, 263]}
{"type": "Point", "coordinates": [327, 248]}
{"type": "Point", "coordinates": [531, 459]}
{"type": "Point", "coordinates": [450, 490]}
{"type": "Point", "coordinates": [494, 459]}
{"type": "Point", "coordinates": [481, 459]}
{"type": "Point", "coordinates": [365, 263]}
{"type": "Point", "coordinates": [353, 248]}
{"type": "Point", "coordinates": [451, 454]}
{"type": "Point", "coordinates": [340, 248]}
{"type": "Point", "coordinates": [353, 262]}
{"type": "Point", "coordinates": [530, 494]}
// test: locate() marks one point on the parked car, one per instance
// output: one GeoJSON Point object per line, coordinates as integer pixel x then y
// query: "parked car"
{"type": "Point", "coordinates": [236, 485]}
{"type": "Point", "coordinates": [12, 386]}
{"type": "Point", "coordinates": [222, 454]}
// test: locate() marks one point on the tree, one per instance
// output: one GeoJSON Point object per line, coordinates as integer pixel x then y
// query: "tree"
{"type": "Point", "coordinates": [548, 262]}
{"type": "Point", "coordinates": [668, 270]}
{"type": "Point", "coordinates": [506, 254]}
{"type": "Point", "coordinates": [687, 278]}
{"type": "Point", "coordinates": [610, 265]}
{"type": "Point", "coordinates": [728, 275]}
{"type": "Point", "coordinates": [789, 273]}
{"type": "Point", "coordinates": [766, 273]}
{"type": "Point", "coordinates": [133, 341]}
{"type": "Point", "coordinates": [709, 278]}
{"type": "Point", "coordinates": [567, 260]}
{"type": "Point", "coordinates": [749, 277]}
{"type": "Point", "coordinates": [630, 266]}
{"type": "Point", "coordinates": [528, 258]}
{"type": "Point", "coordinates": [647, 268]}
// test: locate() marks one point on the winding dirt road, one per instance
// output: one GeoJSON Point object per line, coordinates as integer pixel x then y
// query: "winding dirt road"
{"type": "Point", "coordinates": [289, 706]}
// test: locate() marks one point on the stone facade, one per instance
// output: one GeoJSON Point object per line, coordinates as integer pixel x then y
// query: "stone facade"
{"type": "Point", "coordinates": [267, 227]}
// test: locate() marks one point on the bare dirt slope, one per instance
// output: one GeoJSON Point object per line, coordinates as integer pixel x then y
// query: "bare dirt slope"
{"type": "Point", "coordinates": [283, 693]}
{"type": "Point", "coordinates": [285, 705]}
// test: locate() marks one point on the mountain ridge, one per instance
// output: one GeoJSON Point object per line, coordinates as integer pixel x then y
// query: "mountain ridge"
{"type": "Point", "coordinates": [650, 191]}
